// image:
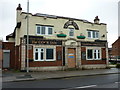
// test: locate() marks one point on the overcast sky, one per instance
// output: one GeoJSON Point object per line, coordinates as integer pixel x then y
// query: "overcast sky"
{"type": "Point", "coordinates": [107, 10]}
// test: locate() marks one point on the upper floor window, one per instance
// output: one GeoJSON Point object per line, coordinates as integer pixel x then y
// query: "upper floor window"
{"type": "Point", "coordinates": [93, 34]}
{"type": "Point", "coordinates": [44, 30]}
{"type": "Point", "coordinates": [71, 32]}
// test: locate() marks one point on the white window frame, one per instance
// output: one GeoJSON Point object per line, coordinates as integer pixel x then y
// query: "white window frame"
{"type": "Point", "coordinates": [71, 30]}
{"type": "Point", "coordinates": [91, 34]}
{"type": "Point", "coordinates": [87, 54]}
{"type": "Point", "coordinates": [46, 30]}
{"type": "Point", "coordinates": [44, 54]}
{"type": "Point", "coordinates": [53, 55]}
{"type": "Point", "coordinates": [96, 51]}
{"type": "Point", "coordinates": [93, 56]}
{"type": "Point", "coordinates": [39, 54]}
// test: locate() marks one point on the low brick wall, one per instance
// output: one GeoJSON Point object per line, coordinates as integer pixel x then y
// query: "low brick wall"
{"type": "Point", "coordinates": [52, 68]}
{"type": "Point", "coordinates": [99, 66]}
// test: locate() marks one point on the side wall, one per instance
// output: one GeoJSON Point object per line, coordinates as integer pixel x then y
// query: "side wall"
{"type": "Point", "coordinates": [10, 46]}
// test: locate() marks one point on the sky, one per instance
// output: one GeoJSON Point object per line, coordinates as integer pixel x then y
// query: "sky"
{"type": "Point", "coordinates": [106, 10]}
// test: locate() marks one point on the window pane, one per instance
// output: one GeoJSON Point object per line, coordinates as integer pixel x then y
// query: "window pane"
{"type": "Point", "coordinates": [89, 54]}
{"type": "Point", "coordinates": [96, 34]}
{"type": "Point", "coordinates": [95, 54]}
{"type": "Point", "coordinates": [49, 53]}
{"type": "Point", "coordinates": [41, 49]}
{"type": "Point", "coordinates": [38, 30]}
{"type": "Point", "coordinates": [71, 33]}
{"type": "Point", "coordinates": [36, 49]}
{"type": "Point", "coordinates": [43, 30]}
{"type": "Point", "coordinates": [93, 34]}
{"type": "Point", "coordinates": [89, 34]}
{"type": "Point", "coordinates": [41, 55]}
{"type": "Point", "coordinates": [49, 30]}
{"type": "Point", "coordinates": [36, 55]}
{"type": "Point", "coordinates": [98, 54]}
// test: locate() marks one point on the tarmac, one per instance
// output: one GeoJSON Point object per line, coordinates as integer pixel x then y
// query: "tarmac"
{"type": "Point", "coordinates": [13, 76]}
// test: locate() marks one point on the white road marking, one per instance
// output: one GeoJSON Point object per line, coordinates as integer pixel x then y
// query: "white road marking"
{"type": "Point", "coordinates": [80, 87]}
{"type": "Point", "coordinates": [117, 82]}
{"type": "Point", "coordinates": [87, 86]}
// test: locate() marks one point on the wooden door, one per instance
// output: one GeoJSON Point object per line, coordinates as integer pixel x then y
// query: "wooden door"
{"type": "Point", "coordinates": [71, 57]}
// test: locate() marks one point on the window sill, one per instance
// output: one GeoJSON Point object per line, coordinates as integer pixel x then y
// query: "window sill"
{"type": "Point", "coordinates": [43, 60]}
{"type": "Point", "coordinates": [50, 60]}
{"type": "Point", "coordinates": [93, 59]}
{"type": "Point", "coordinates": [92, 38]}
{"type": "Point", "coordinates": [44, 34]}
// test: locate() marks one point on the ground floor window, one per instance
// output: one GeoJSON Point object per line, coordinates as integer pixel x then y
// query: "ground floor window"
{"type": "Point", "coordinates": [93, 54]}
{"type": "Point", "coordinates": [44, 54]}
{"type": "Point", "coordinates": [49, 53]}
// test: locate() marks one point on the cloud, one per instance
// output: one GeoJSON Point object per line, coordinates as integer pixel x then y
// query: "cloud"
{"type": "Point", "coordinates": [83, 9]}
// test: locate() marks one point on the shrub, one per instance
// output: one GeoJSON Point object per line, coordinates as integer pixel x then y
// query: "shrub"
{"type": "Point", "coordinates": [118, 65]}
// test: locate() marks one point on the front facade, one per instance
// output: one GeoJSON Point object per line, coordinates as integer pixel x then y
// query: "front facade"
{"type": "Point", "coordinates": [58, 43]}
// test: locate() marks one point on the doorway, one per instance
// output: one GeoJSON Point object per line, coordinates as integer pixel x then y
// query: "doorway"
{"type": "Point", "coordinates": [71, 57]}
{"type": "Point", "coordinates": [6, 58]}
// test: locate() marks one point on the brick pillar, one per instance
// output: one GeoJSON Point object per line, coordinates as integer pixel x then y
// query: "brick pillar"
{"type": "Point", "coordinates": [23, 55]}
{"type": "Point", "coordinates": [78, 55]}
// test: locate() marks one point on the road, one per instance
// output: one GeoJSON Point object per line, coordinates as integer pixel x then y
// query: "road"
{"type": "Point", "coordinates": [98, 81]}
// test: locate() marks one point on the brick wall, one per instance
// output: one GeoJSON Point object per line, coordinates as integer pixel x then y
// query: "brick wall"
{"type": "Point", "coordinates": [103, 53]}
{"type": "Point", "coordinates": [17, 58]}
{"type": "Point", "coordinates": [10, 46]}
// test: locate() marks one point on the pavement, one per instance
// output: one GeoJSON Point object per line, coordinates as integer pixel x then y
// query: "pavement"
{"type": "Point", "coordinates": [13, 76]}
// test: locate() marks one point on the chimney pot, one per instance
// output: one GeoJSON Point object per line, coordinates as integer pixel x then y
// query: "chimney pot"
{"type": "Point", "coordinates": [96, 20]}
{"type": "Point", "coordinates": [19, 7]}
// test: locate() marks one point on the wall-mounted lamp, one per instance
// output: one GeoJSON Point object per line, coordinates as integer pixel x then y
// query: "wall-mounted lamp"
{"type": "Point", "coordinates": [45, 17]}
{"type": "Point", "coordinates": [103, 35]}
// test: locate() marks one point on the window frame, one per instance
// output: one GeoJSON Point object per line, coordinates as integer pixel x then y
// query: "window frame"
{"type": "Point", "coordinates": [46, 30]}
{"type": "Point", "coordinates": [94, 53]}
{"type": "Point", "coordinates": [94, 34]}
{"type": "Point", "coordinates": [39, 54]}
{"type": "Point", "coordinates": [44, 54]}
{"type": "Point", "coordinates": [87, 54]}
{"type": "Point", "coordinates": [71, 30]}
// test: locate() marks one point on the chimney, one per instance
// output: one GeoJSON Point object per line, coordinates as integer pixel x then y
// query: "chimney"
{"type": "Point", "coordinates": [96, 20]}
{"type": "Point", "coordinates": [18, 9]}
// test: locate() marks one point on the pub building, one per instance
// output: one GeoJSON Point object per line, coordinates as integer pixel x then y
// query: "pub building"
{"type": "Point", "coordinates": [59, 43]}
